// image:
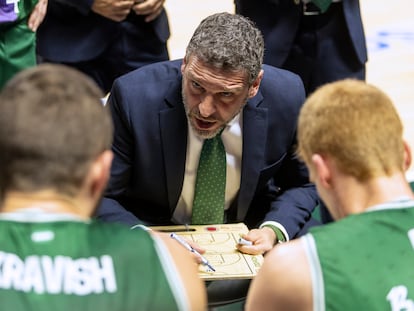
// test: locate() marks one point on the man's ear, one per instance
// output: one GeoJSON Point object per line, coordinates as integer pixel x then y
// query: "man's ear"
{"type": "Point", "coordinates": [183, 64]}
{"type": "Point", "coordinates": [254, 88]}
{"type": "Point", "coordinates": [322, 170]}
{"type": "Point", "coordinates": [407, 156]}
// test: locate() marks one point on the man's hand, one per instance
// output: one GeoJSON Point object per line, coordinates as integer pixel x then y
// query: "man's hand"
{"type": "Point", "coordinates": [37, 15]}
{"type": "Point", "coordinates": [116, 10]}
{"type": "Point", "coordinates": [263, 240]}
{"type": "Point", "coordinates": [151, 8]}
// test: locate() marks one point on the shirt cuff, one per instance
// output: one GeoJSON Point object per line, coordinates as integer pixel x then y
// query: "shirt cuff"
{"type": "Point", "coordinates": [279, 230]}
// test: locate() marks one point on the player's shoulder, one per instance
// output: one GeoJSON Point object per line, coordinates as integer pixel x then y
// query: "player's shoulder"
{"type": "Point", "coordinates": [115, 233]}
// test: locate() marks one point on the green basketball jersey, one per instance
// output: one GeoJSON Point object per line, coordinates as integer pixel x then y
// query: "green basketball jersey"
{"type": "Point", "coordinates": [50, 262]}
{"type": "Point", "coordinates": [17, 41]}
{"type": "Point", "coordinates": [364, 261]}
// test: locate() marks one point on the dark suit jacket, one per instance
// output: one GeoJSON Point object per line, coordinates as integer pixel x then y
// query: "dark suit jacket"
{"type": "Point", "coordinates": [150, 151]}
{"type": "Point", "coordinates": [71, 32]}
{"type": "Point", "coordinates": [279, 21]}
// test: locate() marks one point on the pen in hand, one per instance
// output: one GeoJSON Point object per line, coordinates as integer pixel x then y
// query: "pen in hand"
{"type": "Point", "coordinates": [204, 261]}
{"type": "Point", "coordinates": [244, 242]}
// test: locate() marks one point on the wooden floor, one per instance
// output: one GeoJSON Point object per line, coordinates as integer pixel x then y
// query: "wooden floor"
{"type": "Point", "coordinates": [389, 29]}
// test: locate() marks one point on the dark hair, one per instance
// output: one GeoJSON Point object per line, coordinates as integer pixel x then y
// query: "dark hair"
{"type": "Point", "coordinates": [230, 42]}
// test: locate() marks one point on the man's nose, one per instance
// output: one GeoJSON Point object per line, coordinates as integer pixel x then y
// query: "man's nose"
{"type": "Point", "coordinates": [207, 106]}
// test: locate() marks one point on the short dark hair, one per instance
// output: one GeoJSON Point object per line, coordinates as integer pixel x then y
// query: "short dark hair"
{"type": "Point", "coordinates": [52, 125]}
{"type": "Point", "coordinates": [230, 42]}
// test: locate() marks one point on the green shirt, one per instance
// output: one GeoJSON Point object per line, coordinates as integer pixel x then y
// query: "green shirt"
{"type": "Point", "coordinates": [50, 262]}
{"type": "Point", "coordinates": [364, 261]}
{"type": "Point", "coordinates": [17, 40]}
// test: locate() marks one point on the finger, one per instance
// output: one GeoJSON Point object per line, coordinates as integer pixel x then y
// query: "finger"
{"type": "Point", "coordinates": [250, 249]}
{"type": "Point", "coordinates": [196, 247]}
{"type": "Point", "coordinates": [243, 241]}
{"type": "Point", "coordinates": [123, 6]}
{"type": "Point", "coordinates": [147, 7]}
{"type": "Point", "coordinates": [153, 16]}
{"type": "Point", "coordinates": [37, 15]}
{"type": "Point", "coordinates": [33, 21]}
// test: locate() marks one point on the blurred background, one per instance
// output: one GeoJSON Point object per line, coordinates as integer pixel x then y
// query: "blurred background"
{"type": "Point", "coordinates": [389, 29]}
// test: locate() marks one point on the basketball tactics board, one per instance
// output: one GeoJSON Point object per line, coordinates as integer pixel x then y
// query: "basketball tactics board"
{"type": "Point", "coordinates": [220, 241]}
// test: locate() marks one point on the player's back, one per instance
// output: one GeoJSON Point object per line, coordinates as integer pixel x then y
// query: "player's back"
{"type": "Point", "coordinates": [367, 256]}
{"type": "Point", "coordinates": [51, 262]}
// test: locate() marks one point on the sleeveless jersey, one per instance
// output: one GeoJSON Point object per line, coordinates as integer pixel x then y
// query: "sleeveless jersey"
{"type": "Point", "coordinates": [365, 261]}
{"type": "Point", "coordinates": [50, 262]}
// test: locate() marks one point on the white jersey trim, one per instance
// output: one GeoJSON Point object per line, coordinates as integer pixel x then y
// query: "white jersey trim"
{"type": "Point", "coordinates": [318, 289]}
{"type": "Point", "coordinates": [38, 215]}
{"type": "Point", "coordinates": [398, 203]}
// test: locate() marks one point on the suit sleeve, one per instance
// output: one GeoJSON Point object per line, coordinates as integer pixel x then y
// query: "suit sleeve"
{"type": "Point", "coordinates": [111, 209]}
{"type": "Point", "coordinates": [296, 197]}
{"type": "Point", "coordinates": [297, 200]}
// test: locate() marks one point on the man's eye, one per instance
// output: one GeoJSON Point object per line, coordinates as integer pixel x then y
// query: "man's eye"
{"type": "Point", "coordinates": [226, 94]}
{"type": "Point", "coordinates": [195, 85]}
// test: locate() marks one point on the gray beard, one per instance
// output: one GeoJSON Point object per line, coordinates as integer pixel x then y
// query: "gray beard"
{"type": "Point", "coordinates": [206, 134]}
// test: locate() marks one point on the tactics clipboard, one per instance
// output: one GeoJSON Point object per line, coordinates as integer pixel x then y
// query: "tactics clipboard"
{"type": "Point", "coordinates": [220, 241]}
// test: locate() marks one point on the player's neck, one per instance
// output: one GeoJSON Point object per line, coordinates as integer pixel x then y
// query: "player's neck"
{"type": "Point", "coordinates": [44, 201]}
{"type": "Point", "coordinates": [381, 190]}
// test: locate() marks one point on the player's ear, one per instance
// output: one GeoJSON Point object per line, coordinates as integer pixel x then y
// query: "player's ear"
{"type": "Point", "coordinates": [407, 156]}
{"type": "Point", "coordinates": [322, 170]}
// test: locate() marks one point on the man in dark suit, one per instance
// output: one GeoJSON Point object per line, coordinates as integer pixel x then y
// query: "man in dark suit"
{"type": "Point", "coordinates": [320, 46]}
{"type": "Point", "coordinates": [163, 113]}
{"type": "Point", "coordinates": [224, 87]}
{"type": "Point", "coordinates": [104, 38]}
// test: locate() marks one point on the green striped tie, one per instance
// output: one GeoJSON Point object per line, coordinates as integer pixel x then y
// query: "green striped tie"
{"type": "Point", "coordinates": [323, 5]}
{"type": "Point", "coordinates": [210, 187]}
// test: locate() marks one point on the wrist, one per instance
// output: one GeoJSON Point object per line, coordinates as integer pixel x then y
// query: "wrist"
{"type": "Point", "coordinates": [279, 236]}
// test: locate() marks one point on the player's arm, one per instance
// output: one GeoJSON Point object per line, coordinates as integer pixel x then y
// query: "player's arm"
{"type": "Point", "coordinates": [283, 282]}
{"type": "Point", "coordinates": [188, 270]}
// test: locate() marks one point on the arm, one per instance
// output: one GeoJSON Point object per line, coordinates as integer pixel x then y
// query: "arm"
{"type": "Point", "coordinates": [37, 15]}
{"type": "Point", "coordinates": [285, 198]}
{"type": "Point", "coordinates": [290, 213]}
{"type": "Point", "coordinates": [187, 268]}
{"type": "Point", "coordinates": [298, 197]}
{"type": "Point", "coordinates": [283, 281]}
{"type": "Point", "coordinates": [110, 209]}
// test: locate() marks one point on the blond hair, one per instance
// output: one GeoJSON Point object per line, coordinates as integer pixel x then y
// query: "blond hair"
{"type": "Point", "coordinates": [357, 125]}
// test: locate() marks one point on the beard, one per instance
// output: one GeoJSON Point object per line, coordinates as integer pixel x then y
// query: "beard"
{"type": "Point", "coordinates": [194, 113]}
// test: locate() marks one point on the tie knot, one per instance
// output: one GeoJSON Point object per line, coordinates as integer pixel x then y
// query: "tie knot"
{"type": "Point", "coordinates": [217, 137]}
{"type": "Point", "coordinates": [213, 143]}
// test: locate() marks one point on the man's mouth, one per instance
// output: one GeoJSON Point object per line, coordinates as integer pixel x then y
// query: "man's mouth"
{"type": "Point", "coordinates": [204, 124]}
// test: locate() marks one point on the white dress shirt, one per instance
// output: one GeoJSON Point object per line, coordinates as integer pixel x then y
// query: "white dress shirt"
{"type": "Point", "coordinates": [233, 144]}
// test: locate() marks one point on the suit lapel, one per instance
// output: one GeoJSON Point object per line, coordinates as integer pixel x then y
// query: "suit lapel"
{"type": "Point", "coordinates": [254, 139]}
{"type": "Point", "coordinates": [173, 129]}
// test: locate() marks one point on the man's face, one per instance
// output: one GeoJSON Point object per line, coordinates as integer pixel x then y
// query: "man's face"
{"type": "Point", "coordinates": [212, 98]}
